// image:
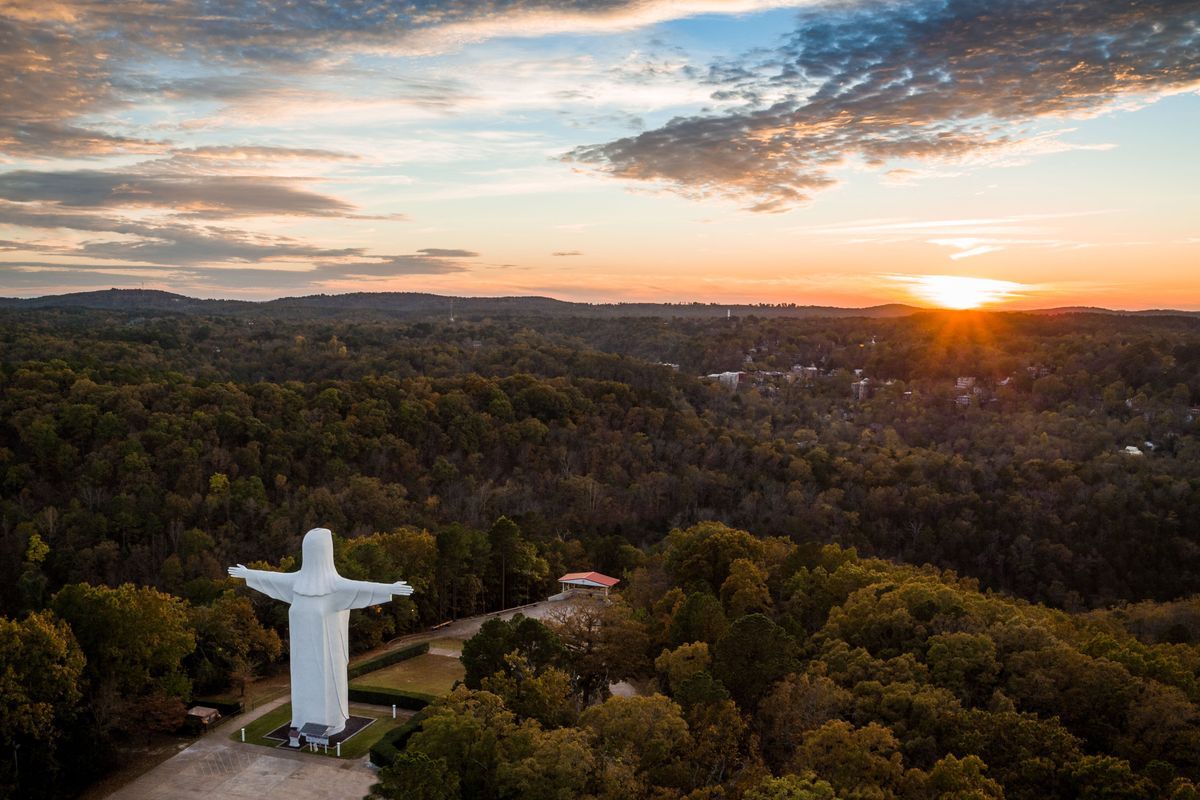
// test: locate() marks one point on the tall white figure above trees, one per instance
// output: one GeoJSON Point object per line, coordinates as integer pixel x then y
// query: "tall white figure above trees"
{"type": "Point", "coordinates": [319, 620]}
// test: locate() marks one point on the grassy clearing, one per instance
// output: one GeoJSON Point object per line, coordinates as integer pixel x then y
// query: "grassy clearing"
{"type": "Point", "coordinates": [446, 643]}
{"type": "Point", "coordinates": [356, 747]}
{"type": "Point", "coordinates": [257, 730]}
{"type": "Point", "coordinates": [428, 674]}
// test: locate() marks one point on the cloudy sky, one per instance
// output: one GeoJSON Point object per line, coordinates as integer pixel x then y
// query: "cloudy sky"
{"type": "Point", "coordinates": [677, 150]}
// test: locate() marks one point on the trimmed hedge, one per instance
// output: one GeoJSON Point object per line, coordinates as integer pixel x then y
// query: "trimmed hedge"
{"type": "Point", "coordinates": [384, 752]}
{"type": "Point", "coordinates": [387, 659]}
{"type": "Point", "coordinates": [383, 696]}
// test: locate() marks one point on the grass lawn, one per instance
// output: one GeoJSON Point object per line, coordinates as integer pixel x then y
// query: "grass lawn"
{"type": "Point", "coordinates": [356, 747]}
{"type": "Point", "coordinates": [446, 643]}
{"type": "Point", "coordinates": [427, 674]}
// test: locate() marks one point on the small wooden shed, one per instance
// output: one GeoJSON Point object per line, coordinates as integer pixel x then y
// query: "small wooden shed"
{"type": "Point", "coordinates": [201, 718]}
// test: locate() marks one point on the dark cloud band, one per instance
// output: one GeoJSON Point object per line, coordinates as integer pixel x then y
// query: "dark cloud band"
{"type": "Point", "coordinates": [202, 195]}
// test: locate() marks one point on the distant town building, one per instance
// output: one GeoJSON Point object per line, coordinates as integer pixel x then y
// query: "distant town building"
{"type": "Point", "coordinates": [965, 384]}
{"type": "Point", "coordinates": [962, 400]}
{"type": "Point", "coordinates": [861, 390]}
{"type": "Point", "coordinates": [1133, 451]}
{"type": "Point", "coordinates": [730, 380]}
{"type": "Point", "coordinates": [805, 373]}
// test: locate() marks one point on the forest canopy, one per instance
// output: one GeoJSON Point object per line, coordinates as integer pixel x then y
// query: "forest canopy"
{"type": "Point", "coordinates": [1046, 468]}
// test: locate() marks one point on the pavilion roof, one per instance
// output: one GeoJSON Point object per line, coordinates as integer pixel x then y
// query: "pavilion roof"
{"type": "Point", "coordinates": [585, 578]}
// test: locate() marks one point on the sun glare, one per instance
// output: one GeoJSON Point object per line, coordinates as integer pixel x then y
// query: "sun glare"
{"type": "Point", "coordinates": [956, 292]}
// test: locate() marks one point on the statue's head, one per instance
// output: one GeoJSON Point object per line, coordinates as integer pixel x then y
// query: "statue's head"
{"type": "Point", "coordinates": [317, 573]}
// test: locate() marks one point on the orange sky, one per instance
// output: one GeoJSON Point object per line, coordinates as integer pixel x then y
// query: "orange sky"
{"type": "Point", "coordinates": [646, 150]}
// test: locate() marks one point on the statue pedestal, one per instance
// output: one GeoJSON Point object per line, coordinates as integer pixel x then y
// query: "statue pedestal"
{"type": "Point", "coordinates": [283, 734]}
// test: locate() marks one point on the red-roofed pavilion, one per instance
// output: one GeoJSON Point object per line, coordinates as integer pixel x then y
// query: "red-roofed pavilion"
{"type": "Point", "coordinates": [587, 580]}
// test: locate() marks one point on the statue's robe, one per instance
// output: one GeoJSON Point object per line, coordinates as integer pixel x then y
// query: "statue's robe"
{"type": "Point", "coordinates": [320, 646]}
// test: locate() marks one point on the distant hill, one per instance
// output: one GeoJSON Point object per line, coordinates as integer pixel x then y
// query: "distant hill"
{"type": "Point", "coordinates": [419, 305]}
{"type": "Point", "coordinates": [1150, 312]}
{"type": "Point", "coordinates": [422, 305]}
{"type": "Point", "coordinates": [128, 300]}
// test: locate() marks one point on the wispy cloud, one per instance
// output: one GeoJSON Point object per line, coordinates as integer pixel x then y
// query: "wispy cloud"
{"type": "Point", "coordinates": [961, 81]}
{"type": "Point", "coordinates": [968, 237]}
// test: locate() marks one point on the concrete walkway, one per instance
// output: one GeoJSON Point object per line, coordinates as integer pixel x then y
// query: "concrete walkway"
{"type": "Point", "coordinates": [216, 767]}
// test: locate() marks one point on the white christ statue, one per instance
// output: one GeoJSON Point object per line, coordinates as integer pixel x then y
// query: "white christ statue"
{"type": "Point", "coordinates": [319, 620]}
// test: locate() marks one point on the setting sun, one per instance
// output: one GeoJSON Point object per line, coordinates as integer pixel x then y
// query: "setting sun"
{"type": "Point", "coordinates": [956, 292]}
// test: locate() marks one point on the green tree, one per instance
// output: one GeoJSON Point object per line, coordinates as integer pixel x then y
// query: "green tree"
{"type": "Point", "coordinates": [753, 655]}
{"type": "Point", "coordinates": [465, 730]}
{"type": "Point", "coordinates": [965, 664]}
{"type": "Point", "coordinates": [135, 640]}
{"type": "Point", "coordinates": [700, 558]}
{"type": "Point", "coordinates": [700, 618]}
{"type": "Point", "coordinates": [415, 776]}
{"type": "Point", "coordinates": [486, 653]}
{"type": "Point", "coordinates": [40, 670]}
{"type": "Point", "coordinates": [546, 697]}
{"type": "Point", "coordinates": [745, 590]}
{"type": "Point", "coordinates": [676, 666]}
{"type": "Point", "coordinates": [231, 643]}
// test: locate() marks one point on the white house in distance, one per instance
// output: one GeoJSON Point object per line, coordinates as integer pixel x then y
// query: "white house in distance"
{"type": "Point", "coordinates": [587, 580]}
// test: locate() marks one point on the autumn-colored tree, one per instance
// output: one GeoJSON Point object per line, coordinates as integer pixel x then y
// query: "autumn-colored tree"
{"type": "Point", "coordinates": [40, 670]}
{"type": "Point", "coordinates": [135, 640]}
{"type": "Point", "coordinates": [603, 643]}
{"type": "Point", "coordinates": [858, 762]}
{"type": "Point", "coordinates": [745, 590]}
{"type": "Point", "coordinates": [648, 734]}
{"type": "Point", "coordinates": [676, 666]}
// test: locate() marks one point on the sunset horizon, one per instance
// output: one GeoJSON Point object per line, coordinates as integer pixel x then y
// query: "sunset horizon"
{"type": "Point", "coordinates": [636, 151]}
{"type": "Point", "coordinates": [913, 297]}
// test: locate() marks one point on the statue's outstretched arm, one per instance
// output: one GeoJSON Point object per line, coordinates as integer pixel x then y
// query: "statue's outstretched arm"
{"type": "Point", "coordinates": [273, 584]}
{"type": "Point", "coordinates": [360, 594]}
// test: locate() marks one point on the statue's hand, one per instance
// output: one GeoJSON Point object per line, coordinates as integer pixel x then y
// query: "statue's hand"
{"type": "Point", "coordinates": [402, 588]}
{"type": "Point", "coordinates": [240, 571]}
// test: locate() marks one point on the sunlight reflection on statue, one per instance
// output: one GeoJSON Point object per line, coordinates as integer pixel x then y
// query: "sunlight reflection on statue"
{"type": "Point", "coordinates": [319, 621]}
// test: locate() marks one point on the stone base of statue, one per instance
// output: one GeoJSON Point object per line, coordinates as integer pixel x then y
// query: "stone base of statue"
{"type": "Point", "coordinates": [297, 738]}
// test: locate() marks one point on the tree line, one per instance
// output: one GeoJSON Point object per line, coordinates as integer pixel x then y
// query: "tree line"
{"type": "Point", "coordinates": [781, 672]}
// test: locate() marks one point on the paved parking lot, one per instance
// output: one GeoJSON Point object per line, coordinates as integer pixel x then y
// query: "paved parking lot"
{"type": "Point", "coordinates": [217, 767]}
